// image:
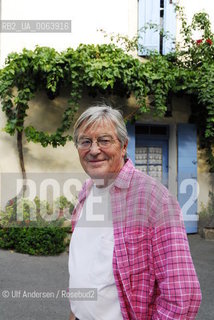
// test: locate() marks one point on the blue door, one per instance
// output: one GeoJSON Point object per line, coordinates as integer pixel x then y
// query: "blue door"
{"type": "Point", "coordinates": [187, 175]}
{"type": "Point", "coordinates": [143, 148]}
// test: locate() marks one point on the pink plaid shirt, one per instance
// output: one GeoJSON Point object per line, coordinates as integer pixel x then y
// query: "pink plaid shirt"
{"type": "Point", "coordinates": [152, 265]}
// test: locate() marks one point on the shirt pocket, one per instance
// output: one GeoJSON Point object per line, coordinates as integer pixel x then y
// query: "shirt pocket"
{"type": "Point", "coordinates": [137, 246]}
{"type": "Point", "coordinates": [101, 269]}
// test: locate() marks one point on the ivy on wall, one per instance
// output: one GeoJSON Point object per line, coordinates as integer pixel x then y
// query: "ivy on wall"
{"type": "Point", "coordinates": [104, 69]}
{"type": "Point", "coordinates": [108, 69]}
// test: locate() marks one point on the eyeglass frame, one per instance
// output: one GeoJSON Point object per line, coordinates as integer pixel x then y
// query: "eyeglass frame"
{"type": "Point", "coordinates": [112, 140]}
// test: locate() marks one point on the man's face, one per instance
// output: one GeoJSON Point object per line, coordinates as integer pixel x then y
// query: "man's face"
{"type": "Point", "coordinates": [98, 162]}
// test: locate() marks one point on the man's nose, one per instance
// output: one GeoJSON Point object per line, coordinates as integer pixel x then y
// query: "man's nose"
{"type": "Point", "coordinates": [95, 149]}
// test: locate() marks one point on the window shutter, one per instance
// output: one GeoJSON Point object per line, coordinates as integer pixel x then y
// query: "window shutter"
{"type": "Point", "coordinates": [187, 175]}
{"type": "Point", "coordinates": [131, 145]}
{"type": "Point", "coordinates": [148, 12]}
{"type": "Point", "coordinates": [169, 25]}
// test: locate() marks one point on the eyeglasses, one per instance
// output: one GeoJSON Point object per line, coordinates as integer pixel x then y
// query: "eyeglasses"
{"type": "Point", "coordinates": [103, 142]}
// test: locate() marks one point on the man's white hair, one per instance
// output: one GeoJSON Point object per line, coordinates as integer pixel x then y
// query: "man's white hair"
{"type": "Point", "coordinates": [96, 114]}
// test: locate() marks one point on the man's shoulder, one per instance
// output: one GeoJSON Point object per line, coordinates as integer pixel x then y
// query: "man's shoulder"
{"type": "Point", "coordinates": [154, 200]}
{"type": "Point", "coordinates": [132, 178]}
{"type": "Point", "coordinates": [147, 183]}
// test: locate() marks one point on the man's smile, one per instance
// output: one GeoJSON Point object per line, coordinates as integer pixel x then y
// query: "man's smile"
{"type": "Point", "coordinates": [97, 160]}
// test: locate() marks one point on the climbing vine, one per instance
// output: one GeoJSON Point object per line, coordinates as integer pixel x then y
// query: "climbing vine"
{"type": "Point", "coordinates": [109, 69]}
{"type": "Point", "coordinates": [196, 59]}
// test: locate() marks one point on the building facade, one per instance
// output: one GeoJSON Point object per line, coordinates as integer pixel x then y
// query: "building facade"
{"type": "Point", "coordinates": [166, 149]}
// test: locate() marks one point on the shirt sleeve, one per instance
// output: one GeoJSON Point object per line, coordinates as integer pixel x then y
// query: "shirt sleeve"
{"type": "Point", "coordinates": [178, 288]}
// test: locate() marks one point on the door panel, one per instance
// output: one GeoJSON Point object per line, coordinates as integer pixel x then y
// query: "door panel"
{"type": "Point", "coordinates": [151, 156]}
{"type": "Point", "coordinates": [187, 175]}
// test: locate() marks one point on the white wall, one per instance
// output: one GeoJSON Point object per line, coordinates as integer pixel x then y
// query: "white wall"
{"type": "Point", "coordinates": [195, 6]}
{"type": "Point", "coordinates": [192, 6]}
{"type": "Point", "coordinates": [87, 17]}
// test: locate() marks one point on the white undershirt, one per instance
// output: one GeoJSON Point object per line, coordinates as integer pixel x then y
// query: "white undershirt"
{"type": "Point", "coordinates": [90, 259]}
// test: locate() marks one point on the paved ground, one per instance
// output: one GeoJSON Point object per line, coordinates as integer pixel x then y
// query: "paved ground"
{"type": "Point", "coordinates": [23, 275]}
{"type": "Point", "coordinates": [203, 257]}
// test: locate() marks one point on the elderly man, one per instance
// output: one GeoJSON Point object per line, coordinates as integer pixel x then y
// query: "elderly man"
{"type": "Point", "coordinates": [128, 242]}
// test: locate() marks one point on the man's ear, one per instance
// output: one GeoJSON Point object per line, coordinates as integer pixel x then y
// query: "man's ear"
{"type": "Point", "coordinates": [125, 147]}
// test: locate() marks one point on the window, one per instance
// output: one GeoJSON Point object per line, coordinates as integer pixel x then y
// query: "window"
{"type": "Point", "coordinates": [152, 130]}
{"type": "Point", "coordinates": [160, 13]}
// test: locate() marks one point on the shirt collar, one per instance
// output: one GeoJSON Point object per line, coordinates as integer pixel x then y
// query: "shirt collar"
{"type": "Point", "coordinates": [124, 177]}
{"type": "Point", "coordinates": [85, 189]}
